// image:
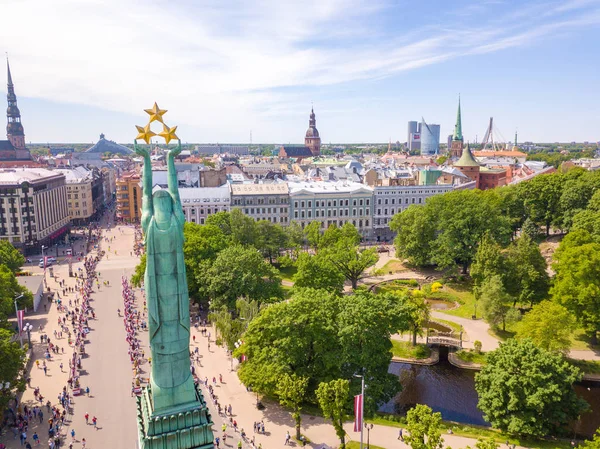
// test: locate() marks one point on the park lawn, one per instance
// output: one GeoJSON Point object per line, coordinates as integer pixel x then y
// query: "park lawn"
{"type": "Point", "coordinates": [461, 293]}
{"type": "Point", "coordinates": [356, 445]}
{"type": "Point", "coordinates": [472, 357]}
{"type": "Point", "coordinates": [405, 350]}
{"type": "Point", "coordinates": [394, 265]}
{"type": "Point", "coordinates": [471, 431]}
{"type": "Point", "coordinates": [580, 341]}
{"type": "Point", "coordinates": [287, 273]}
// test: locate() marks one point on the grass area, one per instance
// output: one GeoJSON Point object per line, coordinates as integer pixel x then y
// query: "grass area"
{"type": "Point", "coordinates": [587, 366]}
{"type": "Point", "coordinates": [460, 293]}
{"type": "Point", "coordinates": [471, 357]}
{"type": "Point", "coordinates": [580, 341]}
{"type": "Point", "coordinates": [356, 445]}
{"type": "Point", "coordinates": [288, 273]}
{"type": "Point", "coordinates": [471, 431]}
{"type": "Point", "coordinates": [405, 350]}
{"type": "Point", "coordinates": [394, 265]}
{"type": "Point", "coordinates": [451, 324]}
{"type": "Point", "coordinates": [500, 334]}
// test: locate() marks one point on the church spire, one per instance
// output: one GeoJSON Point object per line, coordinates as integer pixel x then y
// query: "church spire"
{"type": "Point", "coordinates": [14, 128]}
{"type": "Point", "coordinates": [458, 127]}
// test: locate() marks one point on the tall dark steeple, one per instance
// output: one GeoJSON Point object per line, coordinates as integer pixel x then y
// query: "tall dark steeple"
{"type": "Point", "coordinates": [456, 148]}
{"type": "Point", "coordinates": [14, 128]}
{"type": "Point", "coordinates": [312, 139]}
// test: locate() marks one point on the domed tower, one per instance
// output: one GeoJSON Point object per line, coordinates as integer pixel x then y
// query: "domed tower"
{"type": "Point", "coordinates": [14, 128]}
{"type": "Point", "coordinates": [312, 139]}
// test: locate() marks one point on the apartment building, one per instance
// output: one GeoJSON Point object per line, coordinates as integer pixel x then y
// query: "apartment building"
{"type": "Point", "coordinates": [266, 201]}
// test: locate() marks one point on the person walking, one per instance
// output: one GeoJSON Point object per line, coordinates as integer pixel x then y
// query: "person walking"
{"type": "Point", "coordinates": [287, 438]}
{"type": "Point", "coordinates": [73, 435]}
{"type": "Point", "coordinates": [87, 417]}
{"type": "Point", "coordinates": [95, 422]}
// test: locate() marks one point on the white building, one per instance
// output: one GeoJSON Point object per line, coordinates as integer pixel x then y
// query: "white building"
{"type": "Point", "coordinates": [79, 194]}
{"type": "Point", "coordinates": [201, 202]}
{"type": "Point", "coordinates": [332, 203]}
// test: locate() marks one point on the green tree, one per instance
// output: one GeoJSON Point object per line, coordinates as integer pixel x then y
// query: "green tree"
{"type": "Point", "coordinates": [322, 336]}
{"type": "Point", "coordinates": [222, 220]}
{"type": "Point", "coordinates": [525, 390]}
{"type": "Point", "coordinates": [587, 220]}
{"type": "Point", "coordinates": [241, 272]}
{"type": "Point", "coordinates": [333, 399]}
{"type": "Point", "coordinates": [243, 228]}
{"type": "Point", "coordinates": [295, 235]}
{"type": "Point", "coordinates": [415, 233]}
{"type": "Point", "coordinates": [530, 229]}
{"type": "Point", "coordinates": [291, 391]}
{"type": "Point", "coordinates": [577, 283]}
{"type": "Point", "coordinates": [350, 260]}
{"type": "Point", "coordinates": [424, 428]}
{"type": "Point", "coordinates": [549, 325]}
{"type": "Point", "coordinates": [271, 239]}
{"type": "Point", "coordinates": [542, 199]}
{"type": "Point", "coordinates": [137, 278]}
{"type": "Point", "coordinates": [485, 443]}
{"type": "Point", "coordinates": [12, 367]}
{"type": "Point", "coordinates": [528, 281]}
{"type": "Point", "coordinates": [495, 303]}
{"type": "Point", "coordinates": [9, 290]}
{"type": "Point", "coordinates": [489, 261]}
{"type": "Point", "coordinates": [593, 443]}
{"type": "Point", "coordinates": [318, 272]}
{"type": "Point", "coordinates": [10, 256]}
{"type": "Point", "coordinates": [312, 232]}
{"type": "Point", "coordinates": [417, 312]}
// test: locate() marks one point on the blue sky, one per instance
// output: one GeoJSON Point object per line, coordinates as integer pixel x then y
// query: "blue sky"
{"type": "Point", "coordinates": [225, 68]}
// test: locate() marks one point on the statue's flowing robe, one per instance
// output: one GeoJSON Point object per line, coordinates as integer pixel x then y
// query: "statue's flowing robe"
{"type": "Point", "coordinates": [169, 317]}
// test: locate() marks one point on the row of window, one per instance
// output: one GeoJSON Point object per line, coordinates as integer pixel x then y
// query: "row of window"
{"type": "Point", "coordinates": [332, 203]}
{"type": "Point", "coordinates": [208, 211]}
{"type": "Point", "coordinates": [259, 201]}
{"type": "Point", "coordinates": [330, 213]}
{"type": "Point", "coordinates": [271, 219]}
{"type": "Point", "coordinates": [420, 201]}
{"type": "Point", "coordinates": [359, 224]}
{"type": "Point", "coordinates": [265, 210]}
{"type": "Point", "coordinates": [410, 192]}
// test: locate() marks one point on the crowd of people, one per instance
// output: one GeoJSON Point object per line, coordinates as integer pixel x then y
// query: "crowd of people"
{"type": "Point", "coordinates": [135, 321]}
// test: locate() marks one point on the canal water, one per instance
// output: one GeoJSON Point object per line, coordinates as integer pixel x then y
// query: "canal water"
{"type": "Point", "coordinates": [451, 391]}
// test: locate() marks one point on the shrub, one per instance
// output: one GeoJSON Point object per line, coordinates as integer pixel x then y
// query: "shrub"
{"type": "Point", "coordinates": [477, 346]}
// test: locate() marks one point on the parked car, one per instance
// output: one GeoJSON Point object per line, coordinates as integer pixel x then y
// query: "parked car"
{"type": "Point", "coordinates": [48, 263]}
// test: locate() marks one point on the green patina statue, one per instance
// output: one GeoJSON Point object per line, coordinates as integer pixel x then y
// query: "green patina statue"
{"type": "Point", "coordinates": [172, 392]}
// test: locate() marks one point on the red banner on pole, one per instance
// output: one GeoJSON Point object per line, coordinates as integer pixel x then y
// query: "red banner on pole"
{"type": "Point", "coordinates": [20, 316]}
{"type": "Point", "coordinates": [358, 412]}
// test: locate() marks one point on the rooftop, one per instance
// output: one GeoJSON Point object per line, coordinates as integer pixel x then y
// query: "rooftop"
{"type": "Point", "coordinates": [76, 175]}
{"type": "Point", "coordinates": [204, 194]}
{"type": "Point", "coordinates": [17, 176]}
{"type": "Point", "coordinates": [108, 146]}
{"type": "Point", "coordinates": [327, 187]}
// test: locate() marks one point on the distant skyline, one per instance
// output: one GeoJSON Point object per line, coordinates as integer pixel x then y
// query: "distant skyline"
{"type": "Point", "coordinates": [241, 66]}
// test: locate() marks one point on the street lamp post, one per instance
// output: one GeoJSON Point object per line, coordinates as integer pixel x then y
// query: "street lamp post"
{"type": "Point", "coordinates": [17, 313]}
{"type": "Point", "coordinates": [368, 427]}
{"type": "Point", "coordinates": [362, 408]}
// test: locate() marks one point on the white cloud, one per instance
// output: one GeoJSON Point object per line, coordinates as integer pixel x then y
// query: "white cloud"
{"type": "Point", "coordinates": [224, 66]}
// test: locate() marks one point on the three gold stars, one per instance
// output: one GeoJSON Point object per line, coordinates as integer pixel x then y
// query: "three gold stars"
{"type": "Point", "coordinates": [156, 114]}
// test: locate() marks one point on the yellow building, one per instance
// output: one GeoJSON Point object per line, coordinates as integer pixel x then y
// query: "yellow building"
{"type": "Point", "coordinates": [129, 197]}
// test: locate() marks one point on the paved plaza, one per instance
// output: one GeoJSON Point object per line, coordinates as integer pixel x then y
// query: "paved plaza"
{"type": "Point", "coordinates": [108, 374]}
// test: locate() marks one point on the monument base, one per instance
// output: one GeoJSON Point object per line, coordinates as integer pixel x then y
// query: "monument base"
{"type": "Point", "coordinates": [189, 428]}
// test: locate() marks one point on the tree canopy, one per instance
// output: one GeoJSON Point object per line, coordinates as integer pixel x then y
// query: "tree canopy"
{"type": "Point", "coordinates": [549, 325]}
{"type": "Point", "coordinates": [322, 336]}
{"type": "Point", "coordinates": [525, 390]}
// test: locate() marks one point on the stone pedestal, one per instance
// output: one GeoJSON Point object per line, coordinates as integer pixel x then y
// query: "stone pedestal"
{"type": "Point", "coordinates": [186, 428]}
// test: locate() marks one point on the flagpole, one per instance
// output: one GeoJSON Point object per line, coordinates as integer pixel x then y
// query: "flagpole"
{"type": "Point", "coordinates": [362, 409]}
{"type": "Point", "coordinates": [18, 325]}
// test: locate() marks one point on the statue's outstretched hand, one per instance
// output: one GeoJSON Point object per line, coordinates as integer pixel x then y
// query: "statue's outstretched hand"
{"type": "Point", "coordinates": [175, 152]}
{"type": "Point", "coordinates": [141, 151]}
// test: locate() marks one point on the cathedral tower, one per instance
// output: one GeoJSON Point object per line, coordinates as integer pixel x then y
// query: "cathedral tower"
{"type": "Point", "coordinates": [312, 139]}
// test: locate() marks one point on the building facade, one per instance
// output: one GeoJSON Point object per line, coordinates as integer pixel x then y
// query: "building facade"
{"type": "Point", "coordinates": [392, 199]}
{"type": "Point", "coordinates": [129, 198]}
{"type": "Point", "coordinates": [33, 207]}
{"type": "Point", "coordinates": [414, 136]}
{"type": "Point", "coordinates": [267, 201]}
{"type": "Point", "coordinates": [332, 203]}
{"type": "Point", "coordinates": [200, 203]}
{"type": "Point", "coordinates": [79, 194]}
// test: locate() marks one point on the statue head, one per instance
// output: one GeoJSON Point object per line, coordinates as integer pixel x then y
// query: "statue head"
{"type": "Point", "coordinates": [163, 206]}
